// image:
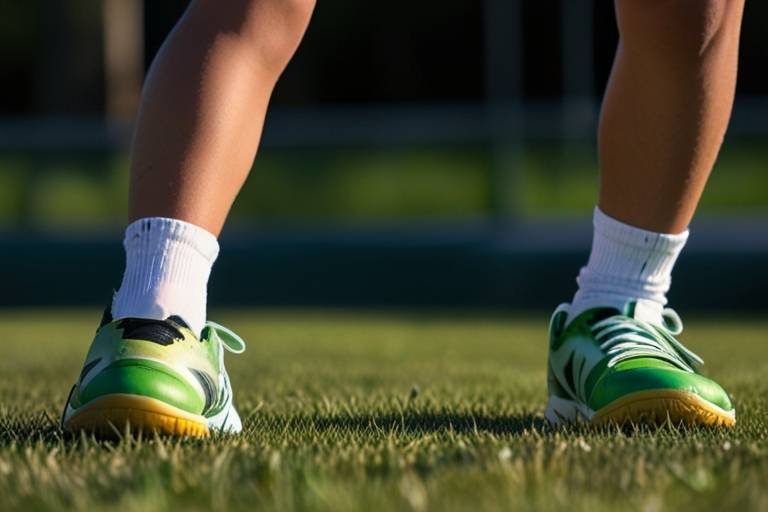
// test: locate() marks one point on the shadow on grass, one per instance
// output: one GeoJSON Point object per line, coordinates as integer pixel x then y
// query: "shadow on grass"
{"type": "Point", "coordinates": [28, 428]}
{"type": "Point", "coordinates": [412, 423]}
{"type": "Point", "coordinates": [25, 429]}
{"type": "Point", "coordinates": [407, 422]}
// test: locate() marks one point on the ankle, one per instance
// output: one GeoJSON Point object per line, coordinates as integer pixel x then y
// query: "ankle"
{"type": "Point", "coordinates": [627, 264]}
{"type": "Point", "coordinates": [168, 263]}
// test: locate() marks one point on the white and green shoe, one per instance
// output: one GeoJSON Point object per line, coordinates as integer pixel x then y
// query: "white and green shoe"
{"type": "Point", "coordinates": [607, 366]}
{"type": "Point", "coordinates": [155, 376]}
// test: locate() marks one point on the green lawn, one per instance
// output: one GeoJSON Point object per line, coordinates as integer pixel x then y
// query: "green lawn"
{"type": "Point", "coordinates": [396, 411]}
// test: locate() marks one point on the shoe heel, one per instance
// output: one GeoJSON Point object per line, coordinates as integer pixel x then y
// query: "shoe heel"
{"type": "Point", "coordinates": [112, 415]}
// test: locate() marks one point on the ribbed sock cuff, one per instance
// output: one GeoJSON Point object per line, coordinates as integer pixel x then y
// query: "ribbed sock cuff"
{"type": "Point", "coordinates": [627, 263]}
{"type": "Point", "coordinates": [168, 263]}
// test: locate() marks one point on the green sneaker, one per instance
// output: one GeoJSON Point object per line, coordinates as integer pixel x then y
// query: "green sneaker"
{"type": "Point", "coordinates": [157, 376]}
{"type": "Point", "coordinates": [607, 366]}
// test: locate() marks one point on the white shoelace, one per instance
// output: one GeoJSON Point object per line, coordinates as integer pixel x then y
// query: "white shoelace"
{"type": "Point", "coordinates": [623, 337]}
{"type": "Point", "coordinates": [231, 341]}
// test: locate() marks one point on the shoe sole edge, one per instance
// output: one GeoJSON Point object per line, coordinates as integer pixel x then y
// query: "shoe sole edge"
{"type": "Point", "coordinates": [659, 406]}
{"type": "Point", "coordinates": [108, 416]}
{"type": "Point", "coordinates": [654, 407]}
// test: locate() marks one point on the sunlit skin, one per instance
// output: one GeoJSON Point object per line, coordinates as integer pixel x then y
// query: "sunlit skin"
{"type": "Point", "coordinates": [666, 108]}
{"type": "Point", "coordinates": [664, 115]}
{"type": "Point", "coordinates": [204, 104]}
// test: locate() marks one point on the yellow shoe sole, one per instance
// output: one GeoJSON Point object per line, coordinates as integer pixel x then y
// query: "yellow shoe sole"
{"type": "Point", "coordinates": [108, 416]}
{"type": "Point", "coordinates": [658, 407]}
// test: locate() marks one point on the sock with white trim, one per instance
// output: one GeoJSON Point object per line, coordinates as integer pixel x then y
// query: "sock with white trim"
{"type": "Point", "coordinates": [168, 263]}
{"type": "Point", "coordinates": [627, 264]}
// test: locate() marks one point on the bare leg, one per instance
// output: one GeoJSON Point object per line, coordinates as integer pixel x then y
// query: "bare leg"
{"type": "Point", "coordinates": [198, 130]}
{"type": "Point", "coordinates": [204, 104]}
{"type": "Point", "coordinates": [664, 117]}
{"type": "Point", "coordinates": [666, 109]}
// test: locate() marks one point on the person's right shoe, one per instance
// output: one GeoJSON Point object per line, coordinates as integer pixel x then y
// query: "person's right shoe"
{"type": "Point", "coordinates": [154, 376]}
{"type": "Point", "coordinates": [607, 366]}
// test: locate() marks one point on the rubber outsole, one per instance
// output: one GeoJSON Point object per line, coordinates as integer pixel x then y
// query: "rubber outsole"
{"type": "Point", "coordinates": [661, 406]}
{"type": "Point", "coordinates": [110, 415]}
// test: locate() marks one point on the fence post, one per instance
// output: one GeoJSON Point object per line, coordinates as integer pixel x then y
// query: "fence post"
{"type": "Point", "coordinates": [578, 70]}
{"type": "Point", "coordinates": [123, 25]}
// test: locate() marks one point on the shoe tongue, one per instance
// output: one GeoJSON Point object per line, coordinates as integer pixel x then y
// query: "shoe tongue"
{"type": "Point", "coordinates": [645, 310]}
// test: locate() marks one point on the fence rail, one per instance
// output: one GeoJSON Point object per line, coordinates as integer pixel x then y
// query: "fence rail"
{"type": "Point", "coordinates": [378, 125]}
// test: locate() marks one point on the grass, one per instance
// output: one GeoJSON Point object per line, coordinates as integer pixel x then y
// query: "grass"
{"type": "Point", "coordinates": [380, 412]}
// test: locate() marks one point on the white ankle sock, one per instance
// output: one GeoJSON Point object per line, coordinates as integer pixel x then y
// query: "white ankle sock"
{"type": "Point", "coordinates": [168, 263]}
{"type": "Point", "coordinates": [626, 264]}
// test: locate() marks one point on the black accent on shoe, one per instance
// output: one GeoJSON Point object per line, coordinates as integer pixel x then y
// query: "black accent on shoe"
{"type": "Point", "coordinates": [106, 317]}
{"type": "Point", "coordinates": [580, 371]}
{"type": "Point", "coordinates": [602, 314]}
{"type": "Point", "coordinates": [568, 373]}
{"type": "Point", "coordinates": [88, 367]}
{"type": "Point", "coordinates": [161, 332]}
{"type": "Point", "coordinates": [66, 404]}
{"type": "Point", "coordinates": [209, 389]}
{"type": "Point", "coordinates": [178, 321]}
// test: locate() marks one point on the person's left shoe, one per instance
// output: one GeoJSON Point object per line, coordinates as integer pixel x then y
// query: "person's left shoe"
{"type": "Point", "coordinates": [154, 376]}
{"type": "Point", "coordinates": [608, 366]}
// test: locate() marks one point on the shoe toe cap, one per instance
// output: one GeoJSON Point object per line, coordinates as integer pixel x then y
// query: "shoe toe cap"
{"type": "Point", "coordinates": [622, 382]}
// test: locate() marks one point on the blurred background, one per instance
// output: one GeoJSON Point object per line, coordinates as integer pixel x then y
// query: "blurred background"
{"type": "Point", "coordinates": [416, 154]}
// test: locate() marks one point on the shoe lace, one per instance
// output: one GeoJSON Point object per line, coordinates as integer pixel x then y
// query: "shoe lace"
{"type": "Point", "coordinates": [231, 341]}
{"type": "Point", "coordinates": [622, 337]}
